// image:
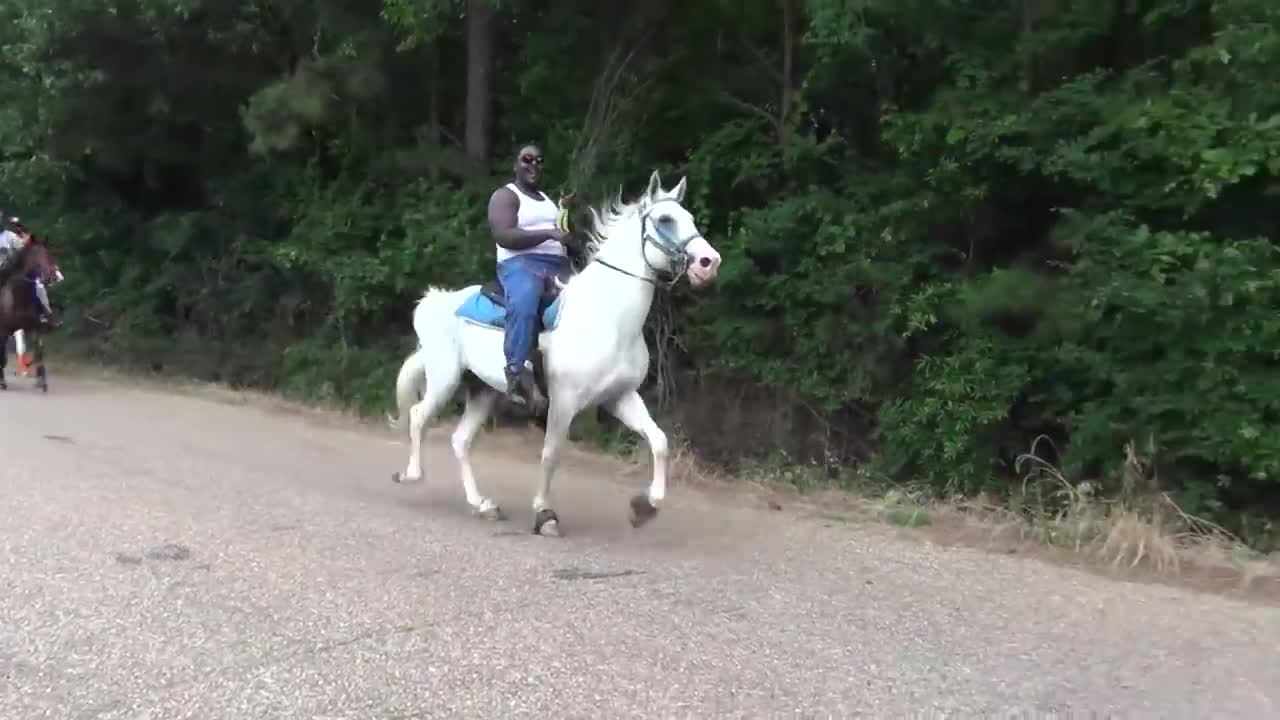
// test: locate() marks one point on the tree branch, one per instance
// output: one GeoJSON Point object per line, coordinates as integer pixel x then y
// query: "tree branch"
{"type": "Point", "coordinates": [753, 109]}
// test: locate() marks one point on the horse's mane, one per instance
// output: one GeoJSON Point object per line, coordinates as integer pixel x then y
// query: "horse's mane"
{"type": "Point", "coordinates": [605, 219]}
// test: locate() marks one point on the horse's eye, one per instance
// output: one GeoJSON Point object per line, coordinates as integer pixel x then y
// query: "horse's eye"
{"type": "Point", "coordinates": [666, 220]}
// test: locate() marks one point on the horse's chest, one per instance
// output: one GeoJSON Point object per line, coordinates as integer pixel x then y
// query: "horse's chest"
{"type": "Point", "coordinates": [603, 374]}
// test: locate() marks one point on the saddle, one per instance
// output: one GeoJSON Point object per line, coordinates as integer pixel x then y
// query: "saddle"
{"type": "Point", "coordinates": [550, 291]}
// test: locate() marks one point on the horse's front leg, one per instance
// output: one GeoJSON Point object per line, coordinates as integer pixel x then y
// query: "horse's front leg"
{"type": "Point", "coordinates": [560, 411]}
{"type": "Point", "coordinates": [4, 360]}
{"type": "Point", "coordinates": [631, 411]}
{"type": "Point", "coordinates": [42, 377]}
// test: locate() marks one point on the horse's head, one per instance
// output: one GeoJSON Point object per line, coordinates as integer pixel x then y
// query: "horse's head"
{"type": "Point", "coordinates": [673, 244]}
{"type": "Point", "coordinates": [38, 258]}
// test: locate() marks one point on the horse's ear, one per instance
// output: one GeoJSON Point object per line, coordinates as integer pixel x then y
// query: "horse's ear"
{"type": "Point", "coordinates": [678, 191]}
{"type": "Point", "coordinates": [655, 186]}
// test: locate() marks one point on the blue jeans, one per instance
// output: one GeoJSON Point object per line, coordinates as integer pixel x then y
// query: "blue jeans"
{"type": "Point", "coordinates": [524, 279]}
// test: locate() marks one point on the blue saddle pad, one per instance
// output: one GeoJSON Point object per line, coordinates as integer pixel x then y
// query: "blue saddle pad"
{"type": "Point", "coordinates": [479, 308]}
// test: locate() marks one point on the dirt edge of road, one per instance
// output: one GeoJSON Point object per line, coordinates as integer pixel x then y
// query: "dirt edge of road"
{"type": "Point", "coordinates": [1210, 571]}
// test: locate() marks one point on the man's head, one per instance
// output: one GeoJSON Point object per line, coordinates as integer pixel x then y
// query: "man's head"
{"type": "Point", "coordinates": [528, 165]}
{"type": "Point", "coordinates": [17, 228]}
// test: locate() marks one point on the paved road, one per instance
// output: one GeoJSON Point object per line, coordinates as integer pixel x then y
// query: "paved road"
{"type": "Point", "coordinates": [167, 556]}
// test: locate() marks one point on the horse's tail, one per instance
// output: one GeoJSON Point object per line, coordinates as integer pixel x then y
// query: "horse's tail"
{"type": "Point", "coordinates": [430, 319]}
{"type": "Point", "coordinates": [410, 384]}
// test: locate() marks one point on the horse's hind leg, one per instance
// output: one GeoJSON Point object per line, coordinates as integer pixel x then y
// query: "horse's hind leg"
{"type": "Point", "coordinates": [20, 351]}
{"type": "Point", "coordinates": [480, 402]}
{"type": "Point", "coordinates": [441, 383]}
{"type": "Point", "coordinates": [4, 361]}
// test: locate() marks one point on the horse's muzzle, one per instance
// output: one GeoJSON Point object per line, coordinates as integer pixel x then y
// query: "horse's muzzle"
{"type": "Point", "coordinates": [704, 262]}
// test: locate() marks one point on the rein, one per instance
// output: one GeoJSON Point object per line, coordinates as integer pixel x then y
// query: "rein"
{"type": "Point", "coordinates": [641, 278]}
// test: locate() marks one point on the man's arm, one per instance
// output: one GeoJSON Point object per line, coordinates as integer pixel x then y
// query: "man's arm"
{"type": "Point", "coordinates": [503, 208]}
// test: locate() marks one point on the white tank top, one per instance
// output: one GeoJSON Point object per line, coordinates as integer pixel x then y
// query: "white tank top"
{"type": "Point", "coordinates": [9, 240]}
{"type": "Point", "coordinates": [10, 244]}
{"type": "Point", "coordinates": [533, 215]}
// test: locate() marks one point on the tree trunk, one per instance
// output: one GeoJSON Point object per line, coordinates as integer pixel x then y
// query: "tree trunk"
{"type": "Point", "coordinates": [479, 80]}
{"type": "Point", "coordinates": [1029, 59]}
{"type": "Point", "coordinates": [433, 112]}
{"type": "Point", "coordinates": [788, 53]}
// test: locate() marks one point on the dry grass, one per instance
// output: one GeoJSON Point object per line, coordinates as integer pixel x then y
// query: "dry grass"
{"type": "Point", "coordinates": [1144, 535]}
{"type": "Point", "coordinates": [1143, 528]}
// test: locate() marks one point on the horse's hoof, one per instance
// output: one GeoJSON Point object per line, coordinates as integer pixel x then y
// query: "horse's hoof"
{"type": "Point", "coordinates": [399, 479]}
{"type": "Point", "coordinates": [642, 511]}
{"type": "Point", "coordinates": [491, 512]}
{"type": "Point", "coordinates": [546, 523]}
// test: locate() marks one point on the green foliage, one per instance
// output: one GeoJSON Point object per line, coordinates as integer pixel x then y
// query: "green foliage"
{"type": "Point", "coordinates": [948, 228]}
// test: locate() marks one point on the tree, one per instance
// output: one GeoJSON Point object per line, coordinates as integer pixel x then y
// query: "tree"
{"type": "Point", "coordinates": [480, 26]}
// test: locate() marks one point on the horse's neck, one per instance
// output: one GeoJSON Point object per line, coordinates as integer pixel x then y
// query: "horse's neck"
{"type": "Point", "coordinates": [14, 266]}
{"type": "Point", "coordinates": [618, 301]}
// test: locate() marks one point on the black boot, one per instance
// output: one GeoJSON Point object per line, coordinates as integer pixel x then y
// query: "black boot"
{"type": "Point", "coordinates": [522, 390]}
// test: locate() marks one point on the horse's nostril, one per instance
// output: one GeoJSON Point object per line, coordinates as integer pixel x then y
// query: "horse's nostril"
{"type": "Point", "coordinates": [705, 262]}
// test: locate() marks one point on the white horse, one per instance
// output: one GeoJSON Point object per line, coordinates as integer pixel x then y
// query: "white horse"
{"type": "Point", "coordinates": [592, 346]}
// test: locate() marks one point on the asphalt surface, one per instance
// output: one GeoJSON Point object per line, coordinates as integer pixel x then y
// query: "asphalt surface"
{"type": "Point", "coordinates": [167, 556]}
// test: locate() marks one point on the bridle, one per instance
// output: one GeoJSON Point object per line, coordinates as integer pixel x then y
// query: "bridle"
{"type": "Point", "coordinates": [675, 249]}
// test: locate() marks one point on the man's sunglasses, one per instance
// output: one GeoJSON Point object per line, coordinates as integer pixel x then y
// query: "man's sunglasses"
{"type": "Point", "coordinates": [531, 160]}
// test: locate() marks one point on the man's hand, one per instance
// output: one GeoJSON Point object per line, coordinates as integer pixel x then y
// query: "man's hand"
{"type": "Point", "coordinates": [562, 237]}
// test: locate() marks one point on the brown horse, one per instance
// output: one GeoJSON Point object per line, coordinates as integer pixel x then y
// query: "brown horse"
{"type": "Point", "coordinates": [18, 306]}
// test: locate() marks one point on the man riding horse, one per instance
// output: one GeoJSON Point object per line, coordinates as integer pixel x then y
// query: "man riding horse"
{"type": "Point", "coordinates": [12, 239]}
{"type": "Point", "coordinates": [531, 252]}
